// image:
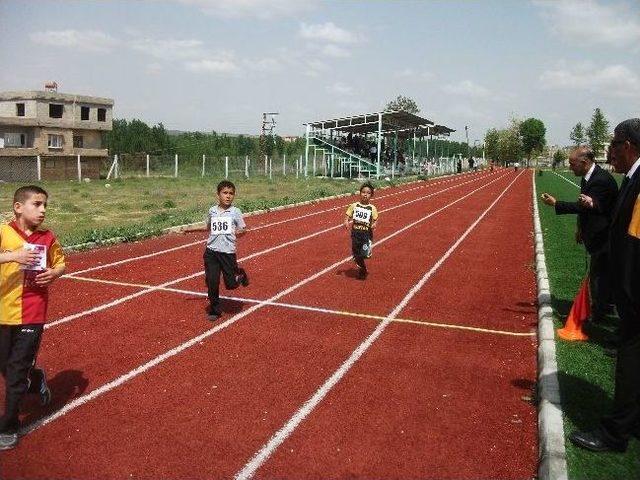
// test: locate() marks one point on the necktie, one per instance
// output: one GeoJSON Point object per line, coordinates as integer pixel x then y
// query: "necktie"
{"type": "Point", "coordinates": [624, 184]}
{"type": "Point", "coordinates": [583, 183]}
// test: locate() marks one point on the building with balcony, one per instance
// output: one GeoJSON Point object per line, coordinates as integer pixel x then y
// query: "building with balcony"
{"type": "Point", "coordinates": [54, 128]}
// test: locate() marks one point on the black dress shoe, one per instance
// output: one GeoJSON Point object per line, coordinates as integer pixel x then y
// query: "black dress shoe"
{"type": "Point", "coordinates": [594, 441]}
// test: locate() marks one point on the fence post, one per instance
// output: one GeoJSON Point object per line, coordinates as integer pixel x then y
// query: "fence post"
{"type": "Point", "coordinates": [147, 165]}
{"type": "Point", "coordinates": [284, 165]}
{"type": "Point", "coordinates": [226, 167]}
{"type": "Point", "coordinates": [204, 159]}
{"type": "Point", "coordinates": [265, 165]}
{"type": "Point", "coordinates": [175, 171]}
{"type": "Point", "coordinates": [246, 166]}
{"type": "Point", "coordinates": [116, 164]}
{"type": "Point", "coordinates": [79, 167]}
{"type": "Point", "coordinates": [270, 168]}
{"type": "Point", "coordinates": [393, 170]}
{"type": "Point", "coordinates": [298, 167]}
{"type": "Point", "coordinates": [39, 167]}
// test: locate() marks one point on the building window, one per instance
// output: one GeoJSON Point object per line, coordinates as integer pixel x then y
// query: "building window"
{"type": "Point", "coordinates": [84, 113]}
{"type": "Point", "coordinates": [55, 141]}
{"type": "Point", "coordinates": [102, 114]}
{"type": "Point", "coordinates": [14, 140]}
{"type": "Point", "coordinates": [20, 109]}
{"type": "Point", "coordinates": [78, 141]}
{"type": "Point", "coordinates": [56, 110]}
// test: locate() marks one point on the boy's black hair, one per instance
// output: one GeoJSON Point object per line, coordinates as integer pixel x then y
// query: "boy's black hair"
{"type": "Point", "coordinates": [23, 194]}
{"type": "Point", "coordinates": [368, 185]}
{"type": "Point", "coordinates": [226, 184]}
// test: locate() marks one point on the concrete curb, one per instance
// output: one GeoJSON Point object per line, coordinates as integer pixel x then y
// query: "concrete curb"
{"type": "Point", "coordinates": [552, 460]}
{"type": "Point", "coordinates": [174, 229]}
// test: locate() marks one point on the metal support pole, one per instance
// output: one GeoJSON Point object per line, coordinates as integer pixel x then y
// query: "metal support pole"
{"type": "Point", "coordinates": [226, 167]}
{"type": "Point", "coordinates": [148, 165]}
{"type": "Point", "coordinates": [306, 150]}
{"type": "Point", "coordinates": [79, 165]}
{"type": "Point", "coordinates": [39, 167]}
{"type": "Point", "coordinates": [204, 157]}
{"type": "Point", "coordinates": [270, 168]}
{"type": "Point", "coordinates": [379, 142]}
{"type": "Point", "coordinates": [284, 165]}
{"type": "Point", "coordinates": [246, 166]}
{"type": "Point", "coordinates": [265, 166]}
{"type": "Point", "coordinates": [175, 172]}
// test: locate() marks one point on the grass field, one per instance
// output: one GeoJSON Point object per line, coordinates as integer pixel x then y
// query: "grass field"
{"type": "Point", "coordinates": [585, 373]}
{"type": "Point", "coordinates": [140, 207]}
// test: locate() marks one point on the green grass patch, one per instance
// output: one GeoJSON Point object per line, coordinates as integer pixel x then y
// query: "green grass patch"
{"type": "Point", "coordinates": [135, 208]}
{"type": "Point", "coordinates": [585, 373]}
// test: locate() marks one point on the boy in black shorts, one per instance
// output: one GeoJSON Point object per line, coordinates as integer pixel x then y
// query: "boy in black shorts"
{"type": "Point", "coordinates": [361, 219]}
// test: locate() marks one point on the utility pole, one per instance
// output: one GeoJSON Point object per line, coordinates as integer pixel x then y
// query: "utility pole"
{"type": "Point", "coordinates": [268, 126]}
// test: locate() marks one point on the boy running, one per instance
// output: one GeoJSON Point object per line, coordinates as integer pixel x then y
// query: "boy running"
{"type": "Point", "coordinates": [224, 224]}
{"type": "Point", "coordinates": [361, 218]}
{"type": "Point", "coordinates": [30, 260]}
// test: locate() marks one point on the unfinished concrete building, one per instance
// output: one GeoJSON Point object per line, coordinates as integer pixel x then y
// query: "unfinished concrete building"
{"type": "Point", "coordinates": [42, 133]}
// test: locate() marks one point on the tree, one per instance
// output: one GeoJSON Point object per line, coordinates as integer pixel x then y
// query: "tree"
{"type": "Point", "coordinates": [532, 132]}
{"type": "Point", "coordinates": [510, 143]}
{"type": "Point", "coordinates": [559, 158]}
{"type": "Point", "coordinates": [598, 132]}
{"type": "Point", "coordinates": [577, 134]}
{"type": "Point", "coordinates": [405, 104]}
{"type": "Point", "coordinates": [491, 139]}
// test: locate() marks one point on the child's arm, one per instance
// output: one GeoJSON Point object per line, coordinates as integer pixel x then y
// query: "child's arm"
{"type": "Point", "coordinates": [21, 256]}
{"type": "Point", "coordinates": [373, 223]}
{"type": "Point", "coordinates": [49, 275]}
{"type": "Point", "coordinates": [194, 228]}
{"type": "Point", "coordinates": [348, 221]}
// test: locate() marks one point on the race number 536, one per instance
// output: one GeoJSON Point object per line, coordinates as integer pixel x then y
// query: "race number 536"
{"type": "Point", "coordinates": [221, 225]}
{"type": "Point", "coordinates": [362, 215]}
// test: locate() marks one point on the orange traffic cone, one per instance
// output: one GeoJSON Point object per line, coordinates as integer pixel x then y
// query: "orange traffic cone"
{"type": "Point", "coordinates": [580, 311]}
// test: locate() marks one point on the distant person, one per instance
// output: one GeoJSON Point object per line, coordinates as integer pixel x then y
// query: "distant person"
{"type": "Point", "coordinates": [594, 218]}
{"type": "Point", "coordinates": [30, 260]}
{"type": "Point", "coordinates": [516, 166]}
{"type": "Point", "coordinates": [224, 224]}
{"type": "Point", "coordinates": [360, 219]}
{"type": "Point", "coordinates": [623, 420]}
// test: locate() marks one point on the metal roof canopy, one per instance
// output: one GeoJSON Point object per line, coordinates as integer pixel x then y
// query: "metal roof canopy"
{"type": "Point", "coordinates": [394, 121]}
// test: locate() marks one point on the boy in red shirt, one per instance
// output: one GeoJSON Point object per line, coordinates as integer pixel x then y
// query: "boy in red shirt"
{"type": "Point", "coordinates": [30, 259]}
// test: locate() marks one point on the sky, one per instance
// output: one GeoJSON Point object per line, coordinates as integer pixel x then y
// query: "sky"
{"type": "Point", "coordinates": [203, 65]}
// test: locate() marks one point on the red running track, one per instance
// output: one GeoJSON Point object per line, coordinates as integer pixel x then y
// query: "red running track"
{"type": "Point", "coordinates": [422, 402]}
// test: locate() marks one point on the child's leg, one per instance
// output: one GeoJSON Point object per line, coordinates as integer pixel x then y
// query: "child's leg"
{"type": "Point", "coordinates": [230, 272]}
{"type": "Point", "coordinates": [212, 277]}
{"type": "Point", "coordinates": [25, 340]}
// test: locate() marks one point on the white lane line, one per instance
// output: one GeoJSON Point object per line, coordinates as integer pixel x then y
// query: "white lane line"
{"type": "Point", "coordinates": [191, 244]}
{"type": "Point", "coordinates": [307, 407]}
{"type": "Point", "coordinates": [79, 401]}
{"type": "Point", "coordinates": [294, 306]}
{"type": "Point", "coordinates": [566, 179]}
{"type": "Point", "coordinates": [116, 302]}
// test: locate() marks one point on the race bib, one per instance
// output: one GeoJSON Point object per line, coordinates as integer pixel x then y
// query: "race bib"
{"type": "Point", "coordinates": [41, 265]}
{"type": "Point", "coordinates": [222, 225]}
{"type": "Point", "coordinates": [362, 215]}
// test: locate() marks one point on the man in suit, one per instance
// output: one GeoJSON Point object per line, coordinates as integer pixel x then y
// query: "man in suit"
{"type": "Point", "coordinates": [593, 222]}
{"type": "Point", "coordinates": [624, 251]}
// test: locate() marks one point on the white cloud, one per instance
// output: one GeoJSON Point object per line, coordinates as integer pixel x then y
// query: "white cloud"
{"type": "Point", "coordinates": [335, 51]}
{"type": "Point", "coordinates": [612, 80]}
{"type": "Point", "coordinates": [340, 88]}
{"type": "Point", "coordinates": [587, 21]}
{"type": "Point", "coordinates": [169, 49]}
{"type": "Point", "coordinates": [84, 40]}
{"type": "Point", "coordinates": [410, 73]}
{"type": "Point", "coordinates": [327, 32]}
{"type": "Point", "coordinates": [466, 88]}
{"type": "Point", "coordinates": [220, 65]}
{"type": "Point", "coordinates": [267, 65]}
{"type": "Point", "coordinates": [262, 9]}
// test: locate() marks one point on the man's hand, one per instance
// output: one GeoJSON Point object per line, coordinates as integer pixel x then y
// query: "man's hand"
{"type": "Point", "coordinates": [585, 200]}
{"type": "Point", "coordinates": [25, 257]}
{"type": "Point", "coordinates": [548, 199]}
{"type": "Point", "coordinates": [45, 278]}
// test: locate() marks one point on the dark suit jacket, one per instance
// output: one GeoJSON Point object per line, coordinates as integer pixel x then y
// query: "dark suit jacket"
{"type": "Point", "coordinates": [593, 223]}
{"type": "Point", "coordinates": [624, 251]}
